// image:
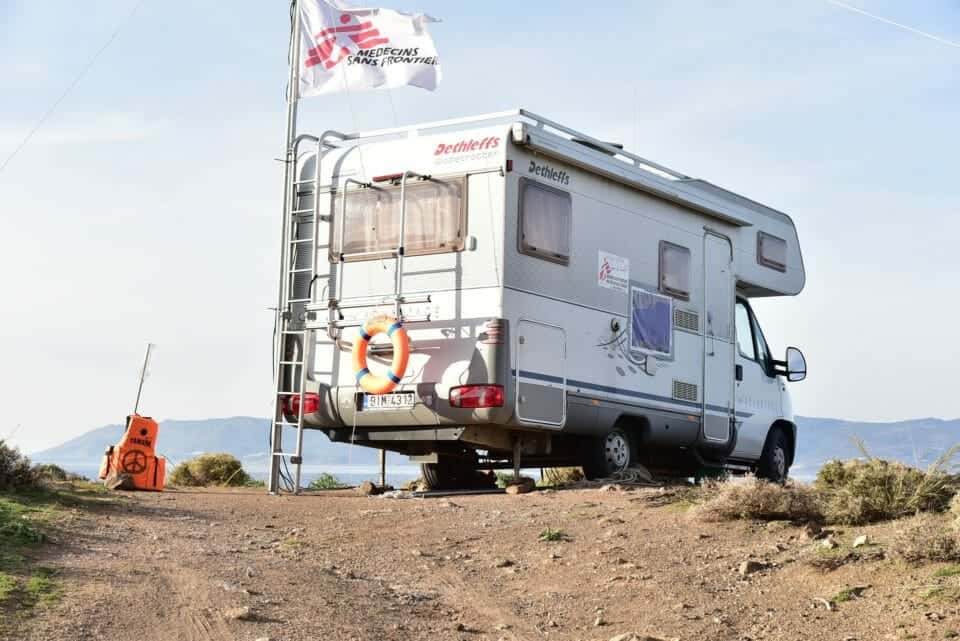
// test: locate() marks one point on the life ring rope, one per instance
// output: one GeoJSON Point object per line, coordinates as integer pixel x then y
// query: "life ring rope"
{"type": "Point", "coordinates": [394, 329]}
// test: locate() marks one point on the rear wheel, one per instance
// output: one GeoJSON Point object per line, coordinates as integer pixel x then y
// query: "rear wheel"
{"type": "Point", "coordinates": [610, 455]}
{"type": "Point", "coordinates": [773, 465]}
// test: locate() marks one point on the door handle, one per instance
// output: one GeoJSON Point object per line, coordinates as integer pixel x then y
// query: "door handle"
{"type": "Point", "coordinates": [739, 372]}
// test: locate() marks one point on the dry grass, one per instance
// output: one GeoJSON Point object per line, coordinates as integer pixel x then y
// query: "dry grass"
{"type": "Point", "coordinates": [866, 491]}
{"type": "Point", "coordinates": [759, 500]}
{"type": "Point", "coordinates": [555, 476]}
{"type": "Point", "coordinates": [927, 538]}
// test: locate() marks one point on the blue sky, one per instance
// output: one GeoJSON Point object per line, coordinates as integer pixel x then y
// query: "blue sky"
{"type": "Point", "coordinates": [146, 208]}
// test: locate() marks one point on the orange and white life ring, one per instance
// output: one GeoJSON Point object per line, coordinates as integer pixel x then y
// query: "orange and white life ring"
{"type": "Point", "coordinates": [401, 354]}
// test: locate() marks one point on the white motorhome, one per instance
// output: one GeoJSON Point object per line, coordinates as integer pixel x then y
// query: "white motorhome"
{"type": "Point", "coordinates": [567, 303]}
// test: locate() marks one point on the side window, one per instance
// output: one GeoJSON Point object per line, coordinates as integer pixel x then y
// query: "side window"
{"type": "Point", "coordinates": [771, 251]}
{"type": "Point", "coordinates": [546, 216]}
{"type": "Point", "coordinates": [745, 333]}
{"type": "Point", "coordinates": [763, 349]}
{"type": "Point", "coordinates": [674, 270]}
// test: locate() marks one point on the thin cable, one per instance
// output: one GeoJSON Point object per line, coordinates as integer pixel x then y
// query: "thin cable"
{"type": "Point", "coordinates": [931, 36]}
{"type": "Point", "coordinates": [72, 85]}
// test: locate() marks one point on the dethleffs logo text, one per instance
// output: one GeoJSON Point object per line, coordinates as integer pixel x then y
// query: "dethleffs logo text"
{"type": "Point", "coordinates": [548, 172]}
{"type": "Point", "coordinates": [465, 146]}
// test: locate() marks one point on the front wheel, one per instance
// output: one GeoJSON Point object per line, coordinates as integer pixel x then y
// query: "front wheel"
{"type": "Point", "coordinates": [609, 456]}
{"type": "Point", "coordinates": [773, 465]}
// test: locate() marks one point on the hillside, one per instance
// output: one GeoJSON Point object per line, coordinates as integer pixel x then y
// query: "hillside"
{"type": "Point", "coordinates": [918, 441]}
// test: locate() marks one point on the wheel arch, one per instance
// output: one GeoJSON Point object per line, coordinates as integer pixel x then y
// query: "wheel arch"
{"type": "Point", "coordinates": [790, 429]}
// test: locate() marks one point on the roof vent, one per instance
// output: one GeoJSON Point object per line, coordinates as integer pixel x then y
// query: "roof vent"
{"type": "Point", "coordinates": [596, 147]}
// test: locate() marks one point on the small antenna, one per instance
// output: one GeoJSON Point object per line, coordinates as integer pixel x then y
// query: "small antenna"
{"type": "Point", "coordinates": [143, 375]}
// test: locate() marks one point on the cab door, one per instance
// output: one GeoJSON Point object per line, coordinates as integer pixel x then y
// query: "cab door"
{"type": "Point", "coordinates": [718, 348]}
{"type": "Point", "coordinates": [758, 395]}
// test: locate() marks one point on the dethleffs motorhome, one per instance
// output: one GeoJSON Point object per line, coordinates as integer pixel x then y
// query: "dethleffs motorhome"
{"type": "Point", "coordinates": [551, 299]}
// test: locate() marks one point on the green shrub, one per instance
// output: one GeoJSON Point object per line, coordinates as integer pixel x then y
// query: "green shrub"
{"type": "Point", "coordinates": [15, 471]}
{"type": "Point", "coordinates": [327, 481]}
{"type": "Point", "coordinates": [760, 500]}
{"type": "Point", "coordinates": [210, 469]}
{"type": "Point", "coordinates": [866, 491]}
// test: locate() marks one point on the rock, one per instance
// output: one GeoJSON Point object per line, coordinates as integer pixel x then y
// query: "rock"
{"type": "Point", "coordinates": [829, 543]}
{"type": "Point", "coordinates": [367, 489]}
{"type": "Point", "coordinates": [521, 487]}
{"type": "Point", "coordinates": [749, 567]}
{"type": "Point", "coordinates": [250, 573]}
{"type": "Point", "coordinates": [119, 481]}
{"type": "Point", "coordinates": [599, 622]}
{"type": "Point", "coordinates": [633, 636]}
{"type": "Point", "coordinates": [811, 530]}
{"type": "Point", "coordinates": [503, 563]}
{"type": "Point", "coordinates": [861, 540]}
{"type": "Point", "coordinates": [243, 613]}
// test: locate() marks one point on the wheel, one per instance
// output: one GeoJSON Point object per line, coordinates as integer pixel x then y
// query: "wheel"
{"type": "Point", "coordinates": [611, 455]}
{"type": "Point", "coordinates": [773, 465]}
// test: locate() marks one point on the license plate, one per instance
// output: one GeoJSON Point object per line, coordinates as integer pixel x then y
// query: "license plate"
{"type": "Point", "coordinates": [393, 401]}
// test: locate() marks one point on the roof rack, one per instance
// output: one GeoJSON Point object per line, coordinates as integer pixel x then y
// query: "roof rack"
{"type": "Point", "coordinates": [544, 124]}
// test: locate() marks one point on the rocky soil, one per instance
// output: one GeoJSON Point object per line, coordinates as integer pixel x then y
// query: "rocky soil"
{"type": "Point", "coordinates": [552, 565]}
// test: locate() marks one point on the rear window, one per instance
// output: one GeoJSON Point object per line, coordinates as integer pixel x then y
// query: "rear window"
{"type": "Point", "coordinates": [546, 215]}
{"type": "Point", "coordinates": [436, 218]}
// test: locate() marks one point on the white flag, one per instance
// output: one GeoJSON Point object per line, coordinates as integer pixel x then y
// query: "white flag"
{"type": "Point", "coordinates": [348, 49]}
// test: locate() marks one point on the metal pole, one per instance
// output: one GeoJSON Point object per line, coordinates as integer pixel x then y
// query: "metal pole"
{"type": "Point", "coordinates": [289, 170]}
{"type": "Point", "coordinates": [143, 375]}
{"type": "Point", "coordinates": [383, 468]}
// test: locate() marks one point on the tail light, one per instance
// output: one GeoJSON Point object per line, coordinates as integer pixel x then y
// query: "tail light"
{"type": "Point", "coordinates": [311, 404]}
{"type": "Point", "coordinates": [476, 396]}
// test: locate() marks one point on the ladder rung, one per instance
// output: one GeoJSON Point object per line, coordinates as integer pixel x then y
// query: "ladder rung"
{"type": "Point", "coordinates": [298, 300]}
{"type": "Point", "coordinates": [303, 211]}
{"type": "Point", "coordinates": [294, 331]}
{"type": "Point", "coordinates": [301, 240]}
{"type": "Point", "coordinates": [305, 182]}
{"type": "Point", "coordinates": [291, 362]}
{"type": "Point", "coordinates": [300, 270]}
{"type": "Point", "coordinates": [285, 393]}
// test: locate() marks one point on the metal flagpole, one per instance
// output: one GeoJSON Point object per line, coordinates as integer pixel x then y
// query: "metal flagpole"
{"type": "Point", "coordinates": [143, 375]}
{"type": "Point", "coordinates": [289, 169]}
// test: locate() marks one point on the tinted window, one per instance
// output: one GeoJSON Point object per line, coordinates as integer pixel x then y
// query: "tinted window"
{"type": "Point", "coordinates": [545, 219]}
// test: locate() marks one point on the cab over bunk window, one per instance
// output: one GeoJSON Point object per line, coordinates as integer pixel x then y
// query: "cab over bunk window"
{"type": "Point", "coordinates": [675, 270]}
{"type": "Point", "coordinates": [771, 251]}
{"type": "Point", "coordinates": [546, 216]}
{"type": "Point", "coordinates": [436, 218]}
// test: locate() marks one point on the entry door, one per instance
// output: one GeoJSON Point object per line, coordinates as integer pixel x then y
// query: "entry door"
{"type": "Point", "coordinates": [541, 373]}
{"type": "Point", "coordinates": [718, 339]}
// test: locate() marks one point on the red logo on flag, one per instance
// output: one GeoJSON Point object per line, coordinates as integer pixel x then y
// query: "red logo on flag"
{"type": "Point", "coordinates": [336, 43]}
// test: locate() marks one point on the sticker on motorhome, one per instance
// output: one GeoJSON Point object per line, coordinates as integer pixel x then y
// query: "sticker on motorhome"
{"type": "Point", "coordinates": [613, 272]}
{"type": "Point", "coordinates": [548, 172]}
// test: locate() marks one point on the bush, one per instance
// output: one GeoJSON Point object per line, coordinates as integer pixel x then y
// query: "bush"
{"type": "Point", "coordinates": [562, 475]}
{"type": "Point", "coordinates": [327, 481]}
{"type": "Point", "coordinates": [866, 491]}
{"type": "Point", "coordinates": [760, 500]}
{"type": "Point", "coordinates": [210, 469]}
{"type": "Point", "coordinates": [927, 538]}
{"type": "Point", "coordinates": [15, 471]}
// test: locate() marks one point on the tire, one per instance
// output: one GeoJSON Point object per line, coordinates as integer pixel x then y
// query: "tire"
{"type": "Point", "coordinates": [610, 455]}
{"type": "Point", "coordinates": [773, 465]}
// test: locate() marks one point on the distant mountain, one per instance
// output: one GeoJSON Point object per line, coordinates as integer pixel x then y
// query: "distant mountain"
{"type": "Point", "coordinates": [916, 442]}
{"type": "Point", "coordinates": [243, 436]}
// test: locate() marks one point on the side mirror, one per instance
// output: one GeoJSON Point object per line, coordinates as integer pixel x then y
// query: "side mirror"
{"type": "Point", "coordinates": [796, 365]}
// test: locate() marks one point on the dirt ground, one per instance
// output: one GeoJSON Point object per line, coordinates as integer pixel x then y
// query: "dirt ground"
{"type": "Point", "coordinates": [240, 565]}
